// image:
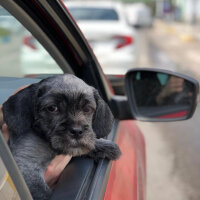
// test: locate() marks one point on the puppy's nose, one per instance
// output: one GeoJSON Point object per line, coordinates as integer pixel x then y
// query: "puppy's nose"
{"type": "Point", "coordinates": [76, 131]}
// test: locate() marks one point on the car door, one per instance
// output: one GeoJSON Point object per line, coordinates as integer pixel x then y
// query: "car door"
{"type": "Point", "coordinates": [51, 24]}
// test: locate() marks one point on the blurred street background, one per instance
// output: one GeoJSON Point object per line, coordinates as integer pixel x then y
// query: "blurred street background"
{"type": "Point", "coordinates": [173, 163]}
{"type": "Point", "coordinates": [173, 42]}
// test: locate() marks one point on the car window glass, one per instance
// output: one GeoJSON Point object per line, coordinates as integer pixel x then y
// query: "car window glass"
{"type": "Point", "coordinates": [21, 54]}
{"type": "Point", "coordinates": [7, 188]}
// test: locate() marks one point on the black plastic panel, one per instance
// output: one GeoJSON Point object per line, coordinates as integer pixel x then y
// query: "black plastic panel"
{"type": "Point", "coordinates": [75, 180]}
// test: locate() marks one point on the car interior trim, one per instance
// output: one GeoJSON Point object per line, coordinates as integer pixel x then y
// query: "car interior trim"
{"type": "Point", "coordinates": [76, 179]}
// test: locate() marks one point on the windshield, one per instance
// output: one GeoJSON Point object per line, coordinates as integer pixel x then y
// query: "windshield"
{"type": "Point", "coordinates": [87, 13]}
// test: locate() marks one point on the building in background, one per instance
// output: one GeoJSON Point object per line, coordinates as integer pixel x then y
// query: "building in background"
{"type": "Point", "coordinates": [181, 10]}
{"type": "Point", "coordinates": [190, 10]}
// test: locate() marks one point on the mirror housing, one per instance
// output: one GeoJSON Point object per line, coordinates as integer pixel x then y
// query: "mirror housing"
{"type": "Point", "coordinates": [160, 95]}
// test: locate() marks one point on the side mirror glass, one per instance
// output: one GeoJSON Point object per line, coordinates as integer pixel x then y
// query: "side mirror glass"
{"type": "Point", "coordinates": [160, 95]}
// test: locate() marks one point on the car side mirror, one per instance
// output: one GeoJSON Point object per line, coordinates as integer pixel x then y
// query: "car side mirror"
{"type": "Point", "coordinates": [160, 95]}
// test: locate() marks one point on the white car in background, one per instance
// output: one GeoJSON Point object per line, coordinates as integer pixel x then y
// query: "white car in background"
{"type": "Point", "coordinates": [139, 15]}
{"type": "Point", "coordinates": [105, 26]}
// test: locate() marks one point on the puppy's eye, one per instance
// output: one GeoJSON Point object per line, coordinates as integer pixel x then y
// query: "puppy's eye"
{"type": "Point", "coordinates": [87, 109]}
{"type": "Point", "coordinates": [52, 109]}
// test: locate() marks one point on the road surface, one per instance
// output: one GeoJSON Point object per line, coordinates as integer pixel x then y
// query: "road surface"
{"type": "Point", "coordinates": [173, 149]}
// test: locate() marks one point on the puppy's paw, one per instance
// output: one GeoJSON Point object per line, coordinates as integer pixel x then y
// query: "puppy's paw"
{"type": "Point", "coordinates": [112, 151]}
{"type": "Point", "coordinates": [105, 149]}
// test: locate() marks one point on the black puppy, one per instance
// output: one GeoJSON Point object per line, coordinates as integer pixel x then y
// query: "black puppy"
{"type": "Point", "coordinates": [58, 115]}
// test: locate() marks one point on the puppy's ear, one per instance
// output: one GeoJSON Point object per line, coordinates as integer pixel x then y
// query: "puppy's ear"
{"type": "Point", "coordinates": [18, 111]}
{"type": "Point", "coordinates": [103, 118]}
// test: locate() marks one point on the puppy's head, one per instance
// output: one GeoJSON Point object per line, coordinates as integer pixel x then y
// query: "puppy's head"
{"type": "Point", "coordinates": [63, 110]}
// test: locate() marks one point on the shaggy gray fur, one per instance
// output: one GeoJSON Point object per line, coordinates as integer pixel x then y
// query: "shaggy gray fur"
{"type": "Point", "coordinates": [58, 115]}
